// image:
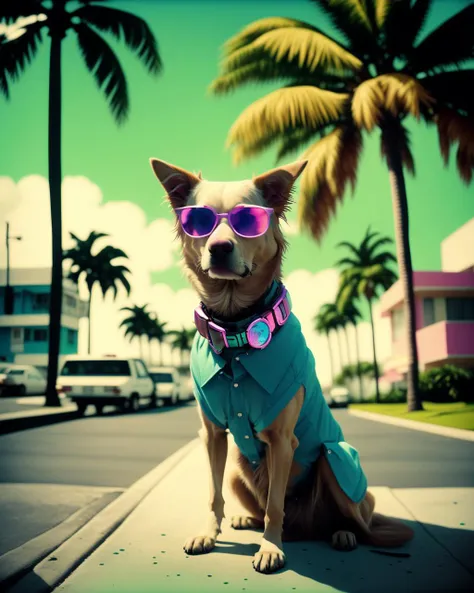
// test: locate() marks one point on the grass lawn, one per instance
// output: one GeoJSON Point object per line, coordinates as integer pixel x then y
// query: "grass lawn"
{"type": "Point", "coordinates": [457, 415]}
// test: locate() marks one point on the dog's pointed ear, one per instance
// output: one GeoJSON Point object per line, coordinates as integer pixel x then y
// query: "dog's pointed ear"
{"type": "Point", "coordinates": [276, 185]}
{"type": "Point", "coordinates": [177, 182]}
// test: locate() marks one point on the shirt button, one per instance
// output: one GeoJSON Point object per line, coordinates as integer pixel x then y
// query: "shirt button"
{"type": "Point", "coordinates": [254, 462]}
{"type": "Point", "coordinates": [239, 414]}
{"type": "Point", "coordinates": [246, 436]}
{"type": "Point", "coordinates": [329, 451]}
{"type": "Point", "coordinates": [236, 384]}
{"type": "Point", "coordinates": [237, 358]}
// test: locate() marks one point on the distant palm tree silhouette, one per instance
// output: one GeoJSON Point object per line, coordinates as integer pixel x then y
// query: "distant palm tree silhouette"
{"type": "Point", "coordinates": [366, 272]}
{"type": "Point", "coordinates": [182, 340]}
{"type": "Point", "coordinates": [157, 331]}
{"type": "Point", "coordinates": [137, 324]}
{"type": "Point", "coordinates": [97, 268]}
{"type": "Point", "coordinates": [101, 61]}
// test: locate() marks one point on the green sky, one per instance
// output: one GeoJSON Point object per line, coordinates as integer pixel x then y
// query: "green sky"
{"type": "Point", "coordinates": [173, 118]}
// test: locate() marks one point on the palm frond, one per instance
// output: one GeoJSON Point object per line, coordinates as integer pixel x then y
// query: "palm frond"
{"type": "Point", "coordinates": [12, 10]}
{"type": "Point", "coordinates": [397, 93]}
{"type": "Point", "coordinates": [254, 30]}
{"type": "Point", "coordinates": [16, 54]}
{"type": "Point", "coordinates": [451, 44]}
{"type": "Point", "coordinates": [133, 30]}
{"type": "Point", "coordinates": [109, 253]}
{"type": "Point", "coordinates": [403, 24]}
{"type": "Point", "coordinates": [294, 139]}
{"type": "Point", "coordinates": [104, 65]}
{"type": "Point", "coordinates": [382, 9]}
{"type": "Point", "coordinates": [350, 17]}
{"type": "Point", "coordinates": [454, 89]}
{"type": "Point", "coordinates": [332, 164]}
{"type": "Point", "coordinates": [272, 115]}
{"type": "Point", "coordinates": [306, 48]}
{"type": "Point", "coordinates": [454, 128]}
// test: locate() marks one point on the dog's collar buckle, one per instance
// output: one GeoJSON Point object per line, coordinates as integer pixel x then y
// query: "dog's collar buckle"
{"type": "Point", "coordinates": [258, 333]}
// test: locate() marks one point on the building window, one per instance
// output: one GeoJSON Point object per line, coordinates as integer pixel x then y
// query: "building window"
{"type": "Point", "coordinates": [40, 335]}
{"type": "Point", "coordinates": [460, 309]}
{"type": "Point", "coordinates": [428, 312]}
{"type": "Point", "coordinates": [40, 301]}
{"type": "Point", "coordinates": [28, 335]}
{"type": "Point", "coordinates": [71, 334]}
{"type": "Point", "coordinates": [398, 324]}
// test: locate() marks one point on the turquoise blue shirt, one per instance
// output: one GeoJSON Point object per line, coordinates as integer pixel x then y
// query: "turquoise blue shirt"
{"type": "Point", "coordinates": [258, 385]}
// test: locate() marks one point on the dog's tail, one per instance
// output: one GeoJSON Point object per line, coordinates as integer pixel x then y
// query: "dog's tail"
{"type": "Point", "coordinates": [387, 532]}
{"type": "Point", "coordinates": [379, 530]}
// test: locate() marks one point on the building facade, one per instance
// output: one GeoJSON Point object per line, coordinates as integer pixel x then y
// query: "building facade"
{"type": "Point", "coordinates": [444, 310]}
{"type": "Point", "coordinates": [24, 334]}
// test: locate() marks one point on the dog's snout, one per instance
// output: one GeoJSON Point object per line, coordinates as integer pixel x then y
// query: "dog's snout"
{"type": "Point", "coordinates": [221, 248]}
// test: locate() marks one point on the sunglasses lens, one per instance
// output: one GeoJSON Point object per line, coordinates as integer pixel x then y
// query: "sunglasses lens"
{"type": "Point", "coordinates": [249, 221]}
{"type": "Point", "coordinates": [197, 222]}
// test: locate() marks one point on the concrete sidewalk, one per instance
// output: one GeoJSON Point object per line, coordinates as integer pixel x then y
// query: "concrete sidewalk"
{"type": "Point", "coordinates": [144, 554]}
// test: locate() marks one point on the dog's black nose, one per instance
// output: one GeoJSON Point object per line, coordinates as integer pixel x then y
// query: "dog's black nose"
{"type": "Point", "coordinates": [220, 249]}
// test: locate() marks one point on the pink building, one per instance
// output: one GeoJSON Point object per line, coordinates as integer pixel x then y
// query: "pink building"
{"type": "Point", "coordinates": [444, 307]}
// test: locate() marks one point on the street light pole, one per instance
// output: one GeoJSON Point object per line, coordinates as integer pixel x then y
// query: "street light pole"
{"type": "Point", "coordinates": [8, 302]}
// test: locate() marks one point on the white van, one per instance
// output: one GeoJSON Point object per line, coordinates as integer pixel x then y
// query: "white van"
{"type": "Point", "coordinates": [106, 381]}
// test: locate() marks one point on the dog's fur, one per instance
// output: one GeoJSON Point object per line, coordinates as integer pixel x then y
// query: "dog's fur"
{"type": "Point", "coordinates": [317, 507]}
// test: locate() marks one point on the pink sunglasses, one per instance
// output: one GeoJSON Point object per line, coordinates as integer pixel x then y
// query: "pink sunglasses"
{"type": "Point", "coordinates": [245, 220]}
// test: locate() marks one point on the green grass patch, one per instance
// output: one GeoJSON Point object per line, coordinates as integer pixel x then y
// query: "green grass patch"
{"type": "Point", "coordinates": [455, 415]}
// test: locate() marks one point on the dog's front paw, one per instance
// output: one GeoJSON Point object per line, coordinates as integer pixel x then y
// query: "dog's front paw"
{"type": "Point", "coordinates": [269, 558]}
{"type": "Point", "coordinates": [202, 544]}
{"type": "Point", "coordinates": [344, 541]}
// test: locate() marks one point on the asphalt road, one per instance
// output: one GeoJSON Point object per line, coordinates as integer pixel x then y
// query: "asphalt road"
{"type": "Point", "coordinates": [47, 473]}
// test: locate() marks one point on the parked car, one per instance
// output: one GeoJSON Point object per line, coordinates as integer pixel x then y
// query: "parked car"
{"type": "Point", "coordinates": [107, 380]}
{"type": "Point", "coordinates": [16, 379]}
{"type": "Point", "coordinates": [337, 397]}
{"type": "Point", "coordinates": [170, 387]}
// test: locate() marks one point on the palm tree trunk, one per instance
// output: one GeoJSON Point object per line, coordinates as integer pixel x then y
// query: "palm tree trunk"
{"type": "Point", "coordinates": [359, 374]}
{"type": "Point", "coordinates": [376, 368]}
{"type": "Point", "coordinates": [331, 362]}
{"type": "Point", "coordinates": [54, 172]}
{"type": "Point", "coordinates": [161, 352]}
{"type": "Point", "coordinates": [89, 322]}
{"type": "Point", "coordinates": [347, 345]}
{"type": "Point", "coordinates": [402, 237]}
{"type": "Point", "coordinates": [140, 343]}
{"type": "Point", "coordinates": [339, 348]}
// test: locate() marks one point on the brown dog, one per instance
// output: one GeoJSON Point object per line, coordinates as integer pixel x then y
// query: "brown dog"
{"type": "Point", "coordinates": [234, 276]}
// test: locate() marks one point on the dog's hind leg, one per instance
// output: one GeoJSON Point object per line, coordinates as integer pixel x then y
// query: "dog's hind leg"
{"type": "Point", "coordinates": [255, 519]}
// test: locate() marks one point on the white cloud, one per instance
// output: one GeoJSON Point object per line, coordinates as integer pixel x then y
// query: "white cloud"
{"type": "Point", "coordinates": [153, 247]}
{"type": "Point", "coordinates": [150, 247]}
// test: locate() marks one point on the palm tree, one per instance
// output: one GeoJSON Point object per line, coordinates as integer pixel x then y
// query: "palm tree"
{"type": "Point", "coordinates": [379, 74]}
{"type": "Point", "coordinates": [182, 340]}
{"type": "Point", "coordinates": [101, 61]}
{"type": "Point", "coordinates": [321, 325]}
{"type": "Point", "coordinates": [157, 331]}
{"type": "Point", "coordinates": [330, 319]}
{"type": "Point", "coordinates": [352, 315]}
{"type": "Point", "coordinates": [137, 324]}
{"type": "Point", "coordinates": [97, 269]}
{"type": "Point", "coordinates": [364, 273]}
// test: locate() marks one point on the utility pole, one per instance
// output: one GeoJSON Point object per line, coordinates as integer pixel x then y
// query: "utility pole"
{"type": "Point", "coordinates": [8, 302]}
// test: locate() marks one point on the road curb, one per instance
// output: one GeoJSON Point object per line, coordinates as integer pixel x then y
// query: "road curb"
{"type": "Point", "coordinates": [15, 421]}
{"type": "Point", "coordinates": [445, 431]}
{"type": "Point", "coordinates": [17, 562]}
{"type": "Point", "coordinates": [58, 565]}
